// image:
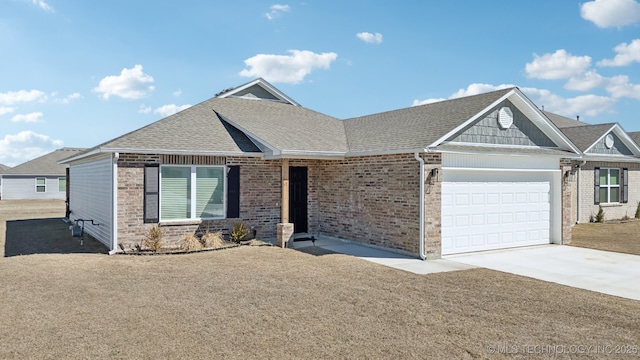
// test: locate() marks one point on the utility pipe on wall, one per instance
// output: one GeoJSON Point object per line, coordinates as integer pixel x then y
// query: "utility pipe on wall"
{"type": "Point", "coordinates": [422, 178]}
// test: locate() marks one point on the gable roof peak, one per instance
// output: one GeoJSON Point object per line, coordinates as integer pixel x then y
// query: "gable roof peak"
{"type": "Point", "coordinates": [258, 89]}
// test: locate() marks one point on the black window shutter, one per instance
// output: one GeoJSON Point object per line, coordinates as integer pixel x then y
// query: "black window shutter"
{"type": "Point", "coordinates": [596, 183]}
{"type": "Point", "coordinates": [625, 185]}
{"type": "Point", "coordinates": [233, 192]}
{"type": "Point", "coordinates": [151, 193]}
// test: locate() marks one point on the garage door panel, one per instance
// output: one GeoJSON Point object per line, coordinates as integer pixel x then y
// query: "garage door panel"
{"type": "Point", "coordinates": [494, 215]}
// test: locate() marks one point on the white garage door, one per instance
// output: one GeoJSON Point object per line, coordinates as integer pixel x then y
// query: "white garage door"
{"type": "Point", "coordinates": [494, 215]}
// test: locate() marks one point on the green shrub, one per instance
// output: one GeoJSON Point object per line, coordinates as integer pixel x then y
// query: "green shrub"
{"type": "Point", "coordinates": [638, 211]}
{"type": "Point", "coordinates": [239, 232]}
{"type": "Point", "coordinates": [190, 242]}
{"type": "Point", "coordinates": [153, 239]}
{"type": "Point", "coordinates": [600, 215]}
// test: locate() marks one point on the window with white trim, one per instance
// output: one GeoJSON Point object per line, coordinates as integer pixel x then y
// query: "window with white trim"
{"type": "Point", "coordinates": [609, 185]}
{"type": "Point", "coordinates": [192, 192]}
{"type": "Point", "coordinates": [62, 184]}
{"type": "Point", "coordinates": [41, 184]}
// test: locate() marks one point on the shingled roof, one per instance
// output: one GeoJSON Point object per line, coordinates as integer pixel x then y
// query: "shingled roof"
{"type": "Point", "coordinates": [3, 168]}
{"type": "Point", "coordinates": [46, 164]}
{"type": "Point", "coordinates": [416, 127]}
{"type": "Point", "coordinates": [586, 135]}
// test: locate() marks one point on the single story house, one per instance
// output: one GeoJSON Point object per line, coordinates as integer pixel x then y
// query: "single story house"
{"type": "Point", "coordinates": [608, 172]}
{"type": "Point", "coordinates": [475, 173]}
{"type": "Point", "coordinates": [40, 178]}
{"type": "Point", "coordinates": [3, 168]}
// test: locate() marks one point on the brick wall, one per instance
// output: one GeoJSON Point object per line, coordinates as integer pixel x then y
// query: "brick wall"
{"type": "Point", "coordinates": [589, 209]}
{"type": "Point", "coordinates": [568, 199]}
{"type": "Point", "coordinates": [259, 200]}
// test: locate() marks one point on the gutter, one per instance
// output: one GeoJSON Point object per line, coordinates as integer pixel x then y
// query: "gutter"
{"type": "Point", "coordinates": [421, 161]}
{"type": "Point", "coordinates": [579, 166]}
{"type": "Point", "coordinates": [114, 204]}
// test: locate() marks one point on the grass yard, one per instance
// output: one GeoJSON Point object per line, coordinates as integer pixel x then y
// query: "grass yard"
{"type": "Point", "coordinates": [617, 236]}
{"type": "Point", "coordinates": [267, 302]}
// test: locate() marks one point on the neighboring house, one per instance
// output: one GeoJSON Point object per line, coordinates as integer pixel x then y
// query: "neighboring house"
{"type": "Point", "coordinates": [475, 173]}
{"type": "Point", "coordinates": [608, 173]}
{"type": "Point", "coordinates": [3, 168]}
{"type": "Point", "coordinates": [40, 178]}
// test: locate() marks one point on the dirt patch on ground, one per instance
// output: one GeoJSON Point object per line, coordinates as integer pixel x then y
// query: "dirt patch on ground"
{"type": "Point", "coordinates": [617, 236]}
{"type": "Point", "coordinates": [267, 302]}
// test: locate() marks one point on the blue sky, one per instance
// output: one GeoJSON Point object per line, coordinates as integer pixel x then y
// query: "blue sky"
{"type": "Point", "coordinates": [78, 73]}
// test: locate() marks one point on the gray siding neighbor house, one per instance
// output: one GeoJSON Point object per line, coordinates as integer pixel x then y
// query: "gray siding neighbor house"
{"type": "Point", "coordinates": [40, 178]}
{"type": "Point", "coordinates": [3, 168]}
{"type": "Point", "coordinates": [475, 173]}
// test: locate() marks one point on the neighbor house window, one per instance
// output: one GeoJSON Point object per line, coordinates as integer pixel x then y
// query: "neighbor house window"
{"type": "Point", "coordinates": [192, 192]}
{"type": "Point", "coordinates": [41, 184]}
{"type": "Point", "coordinates": [62, 184]}
{"type": "Point", "coordinates": [611, 185]}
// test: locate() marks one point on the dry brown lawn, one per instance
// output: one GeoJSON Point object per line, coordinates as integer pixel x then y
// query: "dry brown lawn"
{"type": "Point", "coordinates": [617, 236]}
{"type": "Point", "coordinates": [267, 302]}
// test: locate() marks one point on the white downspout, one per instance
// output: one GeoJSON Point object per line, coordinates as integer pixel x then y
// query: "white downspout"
{"type": "Point", "coordinates": [421, 161]}
{"type": "Point", "coordinates": [114, 205]}
{"type": "Point", "coordinates": [578, 192]}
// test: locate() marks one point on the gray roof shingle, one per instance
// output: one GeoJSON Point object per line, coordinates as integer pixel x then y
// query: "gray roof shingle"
{"type": "Point", "coordinates": [582, 135]}
{"type": "Point", "coordinates": [3, 168]}
{"type": "Point", "coordinates": [416, 127]}
{"type": "Point", "coordinates": [563, 121]}
{"type": "Point", "coordinates": [635, 136]}
{"type": "Point", "coordinates": [46, 164]}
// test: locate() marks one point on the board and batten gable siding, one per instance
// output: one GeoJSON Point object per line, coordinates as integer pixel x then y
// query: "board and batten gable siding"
{"type": "Point", "coordinates": [486, 130]}
{"type": "Point", "coordinates": [90, 196]}
{"type": "Point", "coordinates": [16, 187]}
{"type": "Point", "coordinates": [618, 147]}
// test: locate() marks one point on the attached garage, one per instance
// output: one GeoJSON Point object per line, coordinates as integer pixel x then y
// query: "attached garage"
{"type": "Point", "coordinates": [507, 201]}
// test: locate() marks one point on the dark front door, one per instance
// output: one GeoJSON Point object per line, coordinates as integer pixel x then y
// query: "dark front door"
{"type": "Point", "coordinates": [298, 198]}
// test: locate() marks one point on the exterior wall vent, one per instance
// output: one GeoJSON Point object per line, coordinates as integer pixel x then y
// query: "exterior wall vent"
{"type": "Point", "coordinates": [608, 141]}
{"type": "Point", "coordinates": [505, 117]}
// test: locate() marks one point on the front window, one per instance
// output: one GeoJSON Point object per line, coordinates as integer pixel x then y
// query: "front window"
{"type": "Point", "coordinates": [609, 185]}
{"type": "Point", "coordinates": [192, 192]}
{"type": "Point", "coordinates": [41, 185]}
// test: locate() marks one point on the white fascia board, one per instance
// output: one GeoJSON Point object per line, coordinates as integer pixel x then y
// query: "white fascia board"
{"type": "Point", "coordinates": [472, 119]}
{"type": "Point", "coordinates": [81, 156]}
{"type": "Point", "coordinates": [611, 158]}
{"type": "Point", "coordinates": [263, 84]}
{"type": "Point", "coordinates": [550, 129]}
{"type": "Point", "coordinates": [384, 152]}
{"type": "Point", "coordinates": [626, 139]}
{"type": "Point", "coordinates": [507, 151]}
{"type": "Point", "coordinates": [180, 152]}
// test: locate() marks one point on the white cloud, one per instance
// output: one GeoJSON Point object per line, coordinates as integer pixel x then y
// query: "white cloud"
{"type": "Point", "coordinates": [170, 109]}
{"type": "Point", "coordinates": [587, 105]}
{"type": "Point", "coordinates": [177, 93]}
{"type": "Point", "coordinates": [627, 54]}
{"type": "Point", "coordinates": [21, 96]}
{"type": "Point", "coordinates": [130, 84]}
{"type": "Point", "coordinates": [6, 110]}
{"type": "Point", "coordinates": [559, 65]}
{"type": "Point", "coordinates": [69, 98]}
{"type": "Point", "coordinates": [472, 89]}
{"type": "Point", "coordinates": [370, 38]}
{"type": "Point", "coordinates": [290, 69]}
{"type": "Point", "coordinates": [28, 118]}
{"type": "Point", "coordinates": [24, 146]}
{"type": "Point", "coordinates": [42, 5]}
{"type": "Point", "coordinates": [619, 86]}
{"type": "Point", "coordinates": [144, 109]}
{"type": "Point", "coordinates": [276, 10]}
{"type": "Point", "coordinates": [611, 13]}
{"type": "Point", "coordinates": [586, 81]}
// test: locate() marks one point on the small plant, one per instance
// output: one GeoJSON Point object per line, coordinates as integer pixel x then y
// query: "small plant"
{"type": "Point", "coordinates": [600, 215]}
{"type": "Point", "coordinates": [212, 240]}
{"type": "Point", "coordinates": [153, 239]}
{"type": "Point", "coordinates": [637, 216]}
{"type": "Point", "coordinates": [239, 232]}
{"type": "Point", "coordinates": [190, 242]}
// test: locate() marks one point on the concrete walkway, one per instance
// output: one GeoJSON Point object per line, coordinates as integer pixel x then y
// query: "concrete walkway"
{"type": "Point", "coordinates": [387, 258]}
{"type": "Point", "coordinates": [600, 271]}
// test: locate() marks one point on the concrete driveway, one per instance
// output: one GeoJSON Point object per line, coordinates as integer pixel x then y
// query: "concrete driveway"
{"type": "Point", "coordinates": [601, 271]}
